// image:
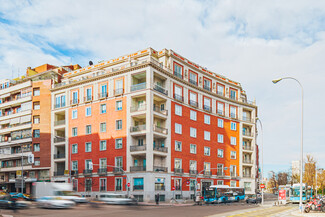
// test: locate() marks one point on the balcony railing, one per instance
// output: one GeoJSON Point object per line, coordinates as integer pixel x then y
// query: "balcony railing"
{"type": "Point", "coordinates": [74, 101]}
{"type": "Point", "coordinates": [138, 148]}
{"type": "Point", "coordinates": [140, 86]}
{"type": "Point", "coordinates": [159, 169]}
{"type": "Point", "coordinates": [178, 97]}
{"type": "Point", "coordinates": [193, 82]}
{"type": "Point", "coordinates": [138, 128]}
{"type": "Point", "coordinates": [161, 149]}
{"type": "Point", "coordinates": [59, 139]}
{"type": "Point", "coordinates": [160, 89]}
{"type": "Point", "coordinates": [232, 115]}
{"type": "Point", "coordinates": [59, 173]}
{"type": "Point", "coordinates": [58, 123]}
{"type": "Point", "coordinates": [207, 88]}
{"type": "Point", "coordinates": [193, 103]}
{"type": "Point", "coordinates": [178, 171]}
{"type": "Point", "coordinates": [88, 98]}
{"type": "Point", "coordinates": [137, 168]}
{"type": "Point", "coordinates": [247, 134]}
{"type": "Point", "coordinates": [160, 129]}
{"type": "Point", "coordinates": [102, 171]}
{"type": "Point", "coordinates": [138, 108]}
{"type": "Point", "coordinates": [158, 109]}
{"type": "Point", "coordinates": [247, 161]}
{"type": "Point", "coordinates": [118, 91]}
{"type": "Point", "coordinates": [118, 170]}
{"type": "Point", "coordinates": [248, 119]}
{"type": "Point", "coordinates": [59, 105]}
{"type": "Point", "coordinates": [233, 175]}
{"type": "Point", "coordinates": [207, 108]}
{"type": "Point", "coordinates": [193, 172]}
{"type": "Point", "coordinates": [87, 172]}
{"type": "Point", "coordinates": [137, 187]}
{"type": "Point", "coordinates": [102, 95]}
{"type": "Point", "coordinates": [159, 187]}
{"type": "Point", "coordinates": [247, 175]}
{"type": "Point", "coordinates": [207, 173]}
{"type": "Point", "coordinates": [102, 188]}
{"type": "Point", "coordinates": [59, 156]}
{"type": "Point", "coordinates": [221, 112]}
{"type": "Point", "coordinates": [220, 173]}
{"type": "Point", "coordinates": [248, 148]}
{"type": "Point", "coordinates": [179, 75]}
{"type": "Point", "coordinates": [232, 97]}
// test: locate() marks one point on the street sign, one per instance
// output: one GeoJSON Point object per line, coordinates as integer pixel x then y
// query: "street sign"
{"type": "Point", "coordinates": [187, 182]}
{"type": "Point", "coordinates": [262, 186]}
{"type": "Point", "coordinates": [66, 172]}
{"type": "Point", "coordinates": [128, 184]}
{"type": "Point", "coordinates": [173, 188]}
{"type": "Point", "coordinates": [18, 173]}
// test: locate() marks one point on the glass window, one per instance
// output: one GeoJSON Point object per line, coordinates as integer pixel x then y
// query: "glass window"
{"type": "Point", "coordinates": [102, 145]}
{"type": "Point", "coordinates": [233, 155]}
{"type": "Point", "coordinates": [233, 112]}
{"type": "Point", "coordinates": [103, 108]}
{"type": "Point", "coordinates": [192, 148]}
{"type": "Point", "coordinates": [88, 129]}
{"type": "Point", "coordinates": [178, 110]}
{"type": "Point", "coordinates": [104, 90]}
{"type": "Point", "coordinates": [220, 153]}
{"type": "Point", "coordinates": [207, 119]}
{"type": "Point", "coordinates": [178, 128]}
{"type": "Point", "coordinates": [37, 105]}
{"type": "Point", "coordinates": [221, 108]}
{"type": "Point", "coordinates": [87, 164]}
{"type": "Point", "coordinates": [36, 91]}
{"type": "Point", "coordinates": [88, 146]}
{"type": "Point", "coordinates": [137, 183]}
{"type": "Point", "coordinates": [74, 114]}
{"type": "Point", "coordinates": [178, 146]}
{"type": "Point", "coordinates": [207, 135]}
{"type": "Point", "coordinates": [118, 184]}
{"type": "Point", "coordinates": [37, 147]}
{"type": "Point", "coordinates": [88, 111]}
{"type": "Point", "coordinates": [89, 94]}
{"type": "Point", "coordinates": [118, 143]}
{"type": "Point", "coordinates": [193, 115]}
{"type": "Point", "coordinates": [118, 124]}
{"type": "Point", "coordinates": [37, 161]}
{"type": "Point", "coordinates": [119, 162]}
{"type": "Point", "coordinates": [233, 184]}
{"type": "Point", "coordinates": [207, 151]}
{"type": "Point", "coordinates": [178, 163]}
{"type": "Point", "coordinates": [193, 132]}
{"type": "Point", "coordinates": [233, 94]}
{"type": "Point", "coordinates": [220, 138]}
{"type": "Point", "coordinates": [233, 170]}
{"type": "Point", "coordinates": [74, 165]}
{"type": "Point", "coordinates": [233, 126]}
{"type": "Point", "coordinates": [233, 140]}
{"type": "Point", "coordinates": [36, 119]}
{"type": "Point", "coordinates": [219, 182]}
{"type": "Point", "coordinates": [74, 148]}
{"type": "Point", "coordinates": [119, 105]}
{"type": "Point", "coordinates": [178, 90]}
{"type": "Point", "coordinates": [102, 163]}
{"type": "Point", "coordinates": [193, 97]}
{"type": "Point", "coordinates": [74, 131]}
{"type": "Point", "coordinates": [102, 127]}
{"type": "Point", "coordinates": [220, 90]}
{"type": "Point", "coordinates": [75, 97]}
{"type": "Point", "coordinates": [192, 165]}
{"type": "Point", "coordinates": [220, 123]}
{"type": "Point", "coordinates": [36, 133]}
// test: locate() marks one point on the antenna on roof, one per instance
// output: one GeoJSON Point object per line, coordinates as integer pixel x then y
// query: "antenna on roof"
{"type": "Point", "coordinates": [91, 63]}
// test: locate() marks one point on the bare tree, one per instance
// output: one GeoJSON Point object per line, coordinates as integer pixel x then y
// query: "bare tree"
{"type": "Point", "coordinates": [310, 169]}
{"type": "Point", "coordinates": [282, 178]}
{"type": "Point", "coordinates": [271, 184]}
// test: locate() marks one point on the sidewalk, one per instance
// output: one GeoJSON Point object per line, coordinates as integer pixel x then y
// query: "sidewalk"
{"type": "Point", "coordinates": [311, 214]}
{"type": "Point", "coordinates": [166, 204]}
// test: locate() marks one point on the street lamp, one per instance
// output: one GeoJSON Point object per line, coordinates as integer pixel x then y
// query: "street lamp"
{"type": "Point", "coordinates": [259, 120]}
{"type": "Point", "coordinates": [302, 130]}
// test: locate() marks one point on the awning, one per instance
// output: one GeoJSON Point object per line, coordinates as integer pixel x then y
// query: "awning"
{"type": "Point", "coordinates": [25, 119]}
{"type": "Point", "coordinates": [14, 121]}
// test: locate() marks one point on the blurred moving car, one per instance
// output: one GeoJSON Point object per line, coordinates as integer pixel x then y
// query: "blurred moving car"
{"type": "Point", "coordinates": [121, 199]}
{"type": "Point", "coordinates": [6, 202]}
{"type": "Point", "coordinates": [255, 198]}
{"type": "Point", "coordinates": [53, 202]}
{"type": "Point", "coordinates": [70, 195]}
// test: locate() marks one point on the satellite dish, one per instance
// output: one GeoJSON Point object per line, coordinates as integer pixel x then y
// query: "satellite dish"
{"type": "Point", "coordinates": [91, 63]}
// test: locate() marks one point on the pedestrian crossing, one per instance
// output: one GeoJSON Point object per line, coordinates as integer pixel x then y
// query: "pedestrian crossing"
{"type": "Point", "coordinates": [266, 212]}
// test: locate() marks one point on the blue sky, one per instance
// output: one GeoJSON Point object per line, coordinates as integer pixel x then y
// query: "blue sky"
{"type": "Point", "coordinates": [249, 41]}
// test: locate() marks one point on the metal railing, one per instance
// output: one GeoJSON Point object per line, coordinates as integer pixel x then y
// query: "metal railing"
{"type": "Point", "coordinates": [161, 149]}
{"type": "Point", "coordinates": [74, 101]}
{"type": "Point", "coordinates": [248, 148]}
{"type": "Point", "coordinates": [247, 175]}
{"type": "Point", "coordinates": [59, 139]}
{"type": "Point", "coordinates": [88, 98]}
{"type": "Point", "coordinates": [246, 161]}
{"type": "Point", "coordinates": [220, 173]}
{"type": "Point", "coordinates": [178, 171]}
{"type": "Point", "coordinates": [193, 103]}
{"type": "Point", "coordinates": [232, 115]}
{"type": "Point", "coordinates": [248, 119]}
{"type": "Point", "coordinates": [60, 122]}
{"type": "Point", "coordinates": [138, 128]}
{"type": "Point", "coordinates": [117, 170]}
{"type": "Point", "coordinates": [102, 171]}
{"type": "Point", "coordinates": [207, 173]}
{"type": "Point", "coordinates": [159, 169]}
{"type": "Point", "coordinates": [74, 172]}
{"type": "Point", "coordinates": [138, 147]}
{"type": "Point", "coordinates": [59, 105]}
{"type": "Point", "coordinates": [118, 91]}
{"type": "Point", "coordinates": [233, 97]}
{"type": "Point", "coordinates": [160, 89]}
{"type": "Point", "coordinates": [87, 172]}
{"type": "Point", "coordinates": [160, 129]}
{"type": "Point", "coordinates": [193, 172]}
{"type": "Point", "coordinates": [58, 156]}
{"type": "Point", "coordinates": [193, 82]}
{"type": "Point", "coordinates": [138, 108]}
{"type": "Point", "coordinates": [139, 86]}
{"type": "Point", "coordinates": [158, 109]}
{"type": "Point", "coordinates": [247, 134]}
{"type": "Point", "coordinates": [207, 88]}
{"type": "Point", "coordinates": [221, 112]}
{"type": "Point", "coordinates": [178, 97]}
{"type": "Point", "coordinates": [102, 95]}
{"type": "Point", "coordinates": [207, 108]}
{"type": "Point", "coordinates": [179, 75]}
{"type": "Point", "coordinates": [137, 168]}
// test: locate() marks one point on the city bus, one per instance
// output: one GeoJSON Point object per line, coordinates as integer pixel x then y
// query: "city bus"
{"type": "Point", "coordinates": [295, 193]}
{"type": "Point", "coordinates": [223, 193]}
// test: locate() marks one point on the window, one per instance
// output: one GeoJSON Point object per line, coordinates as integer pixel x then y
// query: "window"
{"type": "Point", "coordinates": [88, 111]}
{"type": "Point", "coordinates": [103, 163]}
{"type": "Point", "coordinates": [178, 163]}
{"type": "Point", "coordinates": [233, 94]}
{"type": "Point", "coordinates": [220, 90]}
{"type": "Point", "coordinates": [118, 124]}
{"type": "Point", "coordinates": [207, 166]}
{"type": "Point", "coordinates": [233, 170]}
{"type": "Point", "coordinates": [233, 155]}
{"type": "Point", "coordinates": [193, 165]}
{"type": "Point", "coordinates": [88, 94]}
{"type": "Point", "coordinates": [193, 77]}
{"type": "Point", "coordinates": [233, 126]}
{"type": "Point", "coordinates": [88, 184]}
{"type": "Point", "coordinates": [74, 114]}
{"type": "Point", "coordinates": [36, 147]}
{"type": "Point", "coordinates": [233, 184]}
{"type": "Point", "coordinates": [119, 162]}
{"type": "Point", "coordinates": [36, 91]}
{"type": "Point", "coordinates": [36, 133]}
{"type": "Point", "coordinates": [137, 184]}
{"type": "Point", "coordinates": [233, 140]}
{"type": "Point", "coordinates": [88, 129]}
{"type": "Point", "coordinates": [87, 164]}
{"type": "Point", "coordinates": [119, 105]}
{"type": "Point", "coordinates": [220, 138]}
{"type": "Point", "coordinates": [193, 132]}
{"type": "Point", "coordinates": [221, 107]}
{"type": "Point", "coordinates": [219, 182]}
{"type": "Point", "coordinates": [220, 153]}
{"type": "Point", "coordinates": [207, 104]}
{"type": "Point", "coordinates": [193, 99]}
{"type": "Point", "coordinates": [118, 184]}
{"type": "Point", "coordinates": [192, 148]}
{"type": "Point", "coordinates": [36, 105]}
{"type": "Point", "coordinates": [103, 108]}
{"type": "Point", "coordinates": [220, 171]}
{"type": "Point", "coordinates": [102, 145]}
{"type": "Point", "coordinates": [207, 151]}
{"type": "Point", "coordinates": [88, 146]}
{"type": "Point", "coordinates": [178, 146]}
{"type": "Point", "coordinates": [207, 135]}
{"type": "Point", "coordinates": [59, 101]}
{"type": "Point", "coordinates": [102, 127]}
{"type": "Point", "coordinates": [178, 95]}
{"type": "Point", "coordinates": [193, 115]}
{"type": "Point", "coordinates": [103, 89]}
{"type": "Point", "coordinates": [118, 143]}
{"type": "Point", "coordinates": [74, 165]}
{"type": "Point", "coordinates": [233, 112]}
{"type": "Point", "coordinates": [118, 87]}
{"type": "Point", "coordinates": [36, 119]}
{"type": "Point", "coordinates": [74, 131]}
{"type": "Point", "coordinates": [220, 123]}
{"type": "Point", "coordinates": [207, 84]}
{"type": "Point", "coordinates": [178, 70]}
{"type": "Point", "coordinates": [178, 110]}
{"type": "Point", "coordinates": [102, 183]}
{"type": "Point", "coordinates": [74, 148]}
{"type": "Point", "coordinates": [247, 186]}
{"type": "Point", "coordinates": [178, 128]}
{"type": "Point", "coordinates": [37, 161]}
{"type": "Point", "coordinates": [207, 119]}
{"type": "Point", "coordinates": [75, 97]}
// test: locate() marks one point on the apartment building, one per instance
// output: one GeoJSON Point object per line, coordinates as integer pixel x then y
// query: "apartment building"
{"type": "Point", "coordinates": [25, 117]}
{"type": "Point", "coordinates": [154, 120]}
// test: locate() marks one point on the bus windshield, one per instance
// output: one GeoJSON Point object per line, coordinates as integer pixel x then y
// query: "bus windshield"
{"type": "Point", "coordinates": [295, 192]}
{"type": "Point", "coordinates": [210, 193]}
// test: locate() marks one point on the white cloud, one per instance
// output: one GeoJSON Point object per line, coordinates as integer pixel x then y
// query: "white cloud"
{"type": "Point", "coordinates": [252, 42]}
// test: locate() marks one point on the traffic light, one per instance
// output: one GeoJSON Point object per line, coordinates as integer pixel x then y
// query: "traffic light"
{"type": "Point", "coordinates": [30, 158]}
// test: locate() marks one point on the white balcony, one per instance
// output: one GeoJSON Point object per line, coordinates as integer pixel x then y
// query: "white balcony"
{"type": "Point", "coordinates": [15, 102]}
{"type": "Point", "coordinates": [11, 116]}
{"type": "Point", "coordinates": [16, 87]}
{"type": "Point", "coordinates": [14, 156]}
{"type": "Point", "coordinates": [10, 169]}
{"type": "Point", "coordinates": [16, 128]}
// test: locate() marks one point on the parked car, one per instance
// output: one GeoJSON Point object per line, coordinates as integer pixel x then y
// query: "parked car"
{"type": "Point", "coordinates": [255, 198]}
{"type": "Point", "coordinates": [111, 198]}
{"type": "Point", "coordinates": [53, 202]}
